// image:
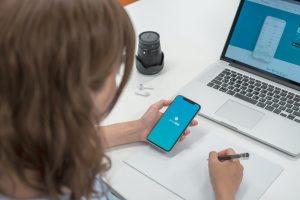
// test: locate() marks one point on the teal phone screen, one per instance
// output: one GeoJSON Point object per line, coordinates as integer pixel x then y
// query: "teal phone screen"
{"type": "Point", "coordinates": [172, 124]}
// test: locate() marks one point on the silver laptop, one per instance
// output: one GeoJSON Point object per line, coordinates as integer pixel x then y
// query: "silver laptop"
{"type": "Point", "coordinates": [254, 87]}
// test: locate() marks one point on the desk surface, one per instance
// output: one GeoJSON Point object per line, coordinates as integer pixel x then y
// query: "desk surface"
{"type": "Point", "coordinates": [193, 33]}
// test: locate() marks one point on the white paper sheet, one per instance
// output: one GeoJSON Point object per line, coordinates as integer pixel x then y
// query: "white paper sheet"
{"type": "Point", "coordinates": [184, 171]}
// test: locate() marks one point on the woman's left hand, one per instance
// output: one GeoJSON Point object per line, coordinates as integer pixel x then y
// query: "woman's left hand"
{"type": "Point", "coordinates": [153, 114]}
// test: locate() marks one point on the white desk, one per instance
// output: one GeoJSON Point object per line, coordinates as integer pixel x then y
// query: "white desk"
{"type": "Point", "coordinates": [193, 33]}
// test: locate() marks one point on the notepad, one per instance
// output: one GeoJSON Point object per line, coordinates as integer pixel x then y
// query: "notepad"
{"type": "Point", "coordinates": [184, 171]}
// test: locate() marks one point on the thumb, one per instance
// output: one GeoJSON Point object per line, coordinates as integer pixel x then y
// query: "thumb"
{"type": "Point", "coordinates": [162, 103]}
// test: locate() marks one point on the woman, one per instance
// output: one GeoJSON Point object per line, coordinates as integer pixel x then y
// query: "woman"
{"type": "Point", "coordinates": [58, 64]}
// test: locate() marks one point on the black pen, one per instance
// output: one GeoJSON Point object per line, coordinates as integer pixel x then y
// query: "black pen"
{"type": "Point", "coordinates": [235, 156]}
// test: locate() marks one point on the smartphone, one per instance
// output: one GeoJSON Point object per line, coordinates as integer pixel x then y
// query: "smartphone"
{"type": "Point", "coordinates": [173, 123]}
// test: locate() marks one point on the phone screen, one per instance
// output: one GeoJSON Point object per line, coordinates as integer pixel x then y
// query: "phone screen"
{"type": "Point", "coordinates": [172, 124]}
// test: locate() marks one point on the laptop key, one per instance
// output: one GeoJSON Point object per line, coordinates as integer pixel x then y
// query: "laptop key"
{"type": "Point", "coordinates": [269, 102]}
{"type": "Point", "coordinates": [262, 100]}
{"type": "Point", "coordinates": [269, 98]}
{"type": "Point", "coordinates": [257, 89]}
{"type": "Point", "coordinates": [296, 113]}
{"type": "Point", "coordinates": [216, 87]}
{"type": "Point", "coordinates": [249, 100]}
{"type": "Point", "coordinates": [297, 104]}
{"type": "Point", "coordinates": [283, 99]}
{"type": "Point", "coordinates": [291, 117]}
{"type": "Point", "coordinates": [264, 87]}
{"type": "Point", "coordinates": [297, 120]}
{"type": "Point", "coordinates": [289, 110]}
{"type": "Point", "coordinates": [223, 89]}
{"type": "Point", "coordinates": [230, 92]}
{"type": "Point", "coordinates": [216, 82]}
{"type": "Point", "coordinates": [249, 94]}
{"type": "Point", "coordinates": [244, 88]}
{"type": "Point", "coordinates": [283, 114]}
{"type": "Point", "coordinates": [210, 84]}
{"type": "Point", "coordinates": [275, 105]}
{"type": "Point", "coordinates": [262, 95]}
{"type": "Point", "coordinates": [218, 78]}
{"type": "Point", "coordinates": [264, 91]}
{"type": "Point", "coordinates": [290, 101]}
{"type": "Point", "coordinates": [255, 97]}
{"type": "Point", "coordinates": [277, 92]}
{"type": "Point", "coordinates": [243, 92]}
{"type": "Point", "coordinates": [277, 96]}
{"type": "Point", "coordinates": [270, 108]}
{"type": "Point", "coordinates": [224, 85]}
{"type": "Point", "coordinates": [260, 104]}
{"type": "Point", "coordinates": [236, 90]}
{"type": "Point", "coordinates": [256, 93]}
{"type": "Point", "coordinates": [257, 84]}
{"type": "Point", "coordinates": [277, 111]}
{"type": "Point", "coordinates": [296, 108]}
{"type": "Point", "coordinates": [282, 94]}
{"type": "Point", "coordinates": [281, 108]}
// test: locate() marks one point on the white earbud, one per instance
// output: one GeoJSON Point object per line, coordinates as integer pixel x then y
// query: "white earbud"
{"type": "Point", "coordinates": [142, 90]}
{"type": "Point", "coordinates": [142, 93]}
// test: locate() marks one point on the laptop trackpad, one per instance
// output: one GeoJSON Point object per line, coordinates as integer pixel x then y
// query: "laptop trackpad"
{"type": "Point", "coordinates": [239, 114]}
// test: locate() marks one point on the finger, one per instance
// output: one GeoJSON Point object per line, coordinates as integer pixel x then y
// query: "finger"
{"type": "Point", "coordinates": [160, 114]}
{"type": "Point", "coordinates": [226, 152]}
{"type": "Point", "coordinates": [162, 103]}
{"type": "Point", "coordinates": [213, 157]}
{"type": "Point", "coordinates": [223, 153]}
{"type": "Point", "coordinates": [182, 138]}
{"type": "Point", "coordinates": [194, 123]}
{"type": "Point", "coordinates": [186, 132]}
{"type": "Point", "coordinates": [230, 151]}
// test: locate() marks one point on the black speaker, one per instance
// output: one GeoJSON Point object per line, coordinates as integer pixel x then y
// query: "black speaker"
{"type": "Point", "coordinates": [150, 58]}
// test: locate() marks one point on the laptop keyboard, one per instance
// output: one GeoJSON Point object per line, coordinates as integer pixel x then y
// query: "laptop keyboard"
{"type": "Point", "coordinates": [261, 94]}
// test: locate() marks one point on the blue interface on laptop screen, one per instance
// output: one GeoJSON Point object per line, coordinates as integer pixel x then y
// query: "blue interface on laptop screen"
{"type": "Point", "coordinates": [267, 36]}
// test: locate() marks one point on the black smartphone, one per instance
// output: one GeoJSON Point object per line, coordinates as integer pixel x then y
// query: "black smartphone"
{"type": "Point", "coordinates": [173, 123]}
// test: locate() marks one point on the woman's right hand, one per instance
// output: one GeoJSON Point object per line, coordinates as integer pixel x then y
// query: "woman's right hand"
{"type": "Point", "coordinates": [225, 176]}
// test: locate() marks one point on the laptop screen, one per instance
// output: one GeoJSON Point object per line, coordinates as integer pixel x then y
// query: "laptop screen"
{"type": "Point", "coordinates": [266, 36]}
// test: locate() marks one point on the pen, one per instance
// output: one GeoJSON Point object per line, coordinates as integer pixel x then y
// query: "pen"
{"type": "Point", "coordinates": [235, 156]}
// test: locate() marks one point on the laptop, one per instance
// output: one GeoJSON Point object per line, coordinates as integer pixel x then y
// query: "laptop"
{"type": "Point", "coordinates": [255, 86]}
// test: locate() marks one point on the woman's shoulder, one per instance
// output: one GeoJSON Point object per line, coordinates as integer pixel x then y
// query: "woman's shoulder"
{"type": "Point", "coordinates": [101, 192]}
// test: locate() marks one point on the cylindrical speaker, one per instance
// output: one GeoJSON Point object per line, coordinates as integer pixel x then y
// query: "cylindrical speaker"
{"type": "Point", "coordinates": [150, 58]}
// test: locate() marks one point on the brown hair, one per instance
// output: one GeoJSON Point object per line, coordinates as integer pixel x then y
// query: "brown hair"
{"type": "Point", "coordinates": [53, 53]}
